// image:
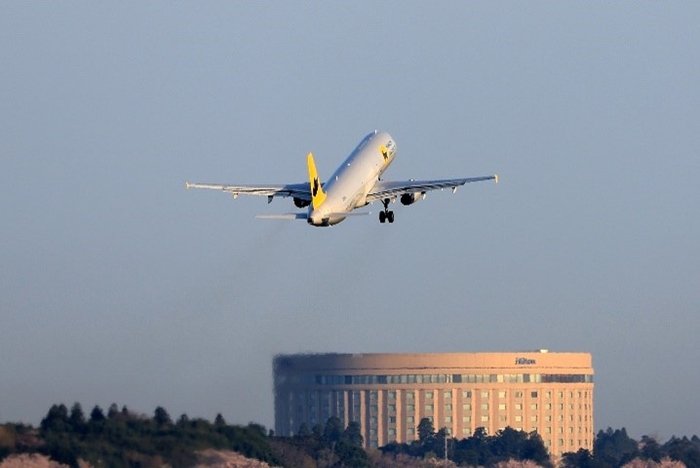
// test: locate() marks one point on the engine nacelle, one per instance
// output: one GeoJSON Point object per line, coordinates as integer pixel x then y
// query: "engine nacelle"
{"type": "Point", "coordinates": [411, 198]}
{"type": "Point", "coordinates": [299, 203]}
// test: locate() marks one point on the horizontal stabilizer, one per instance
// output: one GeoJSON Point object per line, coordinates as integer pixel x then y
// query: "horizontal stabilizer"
{"type": "Point", "coordinates": [284, 216]}
{"type": "Point", "coordinates": [348, 213]}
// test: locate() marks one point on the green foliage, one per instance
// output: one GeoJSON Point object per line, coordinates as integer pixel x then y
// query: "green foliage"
{"type": "Point", "coordinates": [325, 446]}
{"type": "Point", "coordinates": [127, 439]}
{"type": "Point", "coordinates": [477, 450]}
{"type": "Point", "coordinates": [614, 449]}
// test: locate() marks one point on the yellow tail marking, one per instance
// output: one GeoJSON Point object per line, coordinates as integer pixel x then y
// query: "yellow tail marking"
{"type": "Point", "coordinates": [385, 153]}
{"type": "Point", "coordinates": [317, 193]}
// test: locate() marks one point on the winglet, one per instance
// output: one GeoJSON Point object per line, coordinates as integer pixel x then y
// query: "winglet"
{"type": "Point", "coordinates": [317, 193]}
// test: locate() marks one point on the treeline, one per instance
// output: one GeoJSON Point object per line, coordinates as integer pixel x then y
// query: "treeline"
{"type": "Point", "coordinates": [478, 450]}
{"type": "Point", "coordinates": [121, 437]}
{"type": "Point", "coordinates": [124, 438]}
{"type": "Point", "coordinates": [615, 449]}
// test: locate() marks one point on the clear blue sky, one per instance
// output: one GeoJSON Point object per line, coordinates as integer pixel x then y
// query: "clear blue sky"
{"type": "Point", "coordinates": [118, 285]}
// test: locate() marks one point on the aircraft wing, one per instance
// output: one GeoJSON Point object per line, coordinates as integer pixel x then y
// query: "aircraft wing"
{"type": "Point", "coordinates": [384, 189]}
{"type": "Point", "coordinates": [301, 191]}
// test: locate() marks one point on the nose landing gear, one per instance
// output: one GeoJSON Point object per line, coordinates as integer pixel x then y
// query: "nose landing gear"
{"type": "Point", "coordinates": [386, 215]}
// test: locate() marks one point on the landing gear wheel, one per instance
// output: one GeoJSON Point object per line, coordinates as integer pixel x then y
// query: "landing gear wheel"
{"type": "Point", "coordinates": [386, 215]}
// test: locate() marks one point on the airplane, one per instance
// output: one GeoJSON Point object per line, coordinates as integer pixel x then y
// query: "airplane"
{"type": "Point", "coordinates": [356, 183]}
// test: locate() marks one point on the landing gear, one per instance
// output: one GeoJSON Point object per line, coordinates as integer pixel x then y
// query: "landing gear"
{"type": "Point", "coordinates": [386, 215]}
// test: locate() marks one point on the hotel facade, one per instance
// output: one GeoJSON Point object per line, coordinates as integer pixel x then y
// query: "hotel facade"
{"type": "Point", "coordinates": [388, 394]}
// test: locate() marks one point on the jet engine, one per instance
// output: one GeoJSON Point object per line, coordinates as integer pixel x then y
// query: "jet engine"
{"type": "Point", "coordinates": [411, 198]}
{"type": "Point", "coordinates": [299, 203]}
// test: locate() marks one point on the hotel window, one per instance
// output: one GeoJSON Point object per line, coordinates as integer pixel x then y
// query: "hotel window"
{"type": "Point", "coordinates": [428, 395]}
{"type": "Point", "coordinates": [448, 394]}
{"type": "Point", "coordinates": [533, 406]}
{"type": "Point", "coordinates": [502, 406]}
{"type": "Point", "coordinates": [518, 394]}
{"type": "Point", "coordinates": [548, 430]}
{"type": "Point", "coordinates": [466, 432]}
{"type": "Point", "coordinates": [448, 419]}
{"type": "Point", "coordinates": [561, 406]}
{"type": "Point", "coordinates": [484, 418]}
{"type": "Point", "coordinates": [548, 394]}
{"type": "Point", "coordinates": [518, 418]}
{"type": "Point", "coordinates": [561, 394]}
{"type": "Point", "coordinates": [410, 420]}
{"type": "Point", "coordinates": [392, 432]}
{"type": "Point", "coordinates": [410, 407]}
{"type": "Point", "coordinates": [560, 430]}
{"type": "Point", "coordinates": [533, 394]}
{"type": "Point", "coordinates": [392, 419]}
{"type": "Point", "coordinates": [548, 406]}
{"type": "Point", "coordinates": [503, 418]}
{"type": "Point", "coordinates": [409, 395]}
{"type": "Point", "coordinates": [533, 418]}
{"type": "Point", "coordinates": [391, 394]}
{"type": "Point", "coordinates": [391, 408]}
{"type": "Point", "coordinates": [518, 406]}
{"type": "Point", "coordinates": [484, 406]}
{"type": "Point", "coordinates": [428, 407]}
{"type": "Point", "coordinates": [466, 419]}
{"type": "Point", "coordinates": [484, 394]}
{"type": "Point", "coordinates": [467, 394]}
{"type": "Point", "coordinates": [467, 407]}
{"type": "Point", "coordinates": [410, 431]}
{"type": "Point", "coordinates": [548, 418]}
{"type": "Point", "coordinates": [448, 407]}
{"type": "Point", "coordinates": [502, 394]}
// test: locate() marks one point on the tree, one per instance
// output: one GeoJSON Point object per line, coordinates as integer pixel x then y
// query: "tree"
{"type": "Point", "coordinates": [353, 434]}
{"type": "Point", "coordinates": [112, 411]}
{"type": "Point", "coordinates": [426, 430]}
{"type": "Point", "coordinates": [614, 448]}
{"type": "Point", "coordinates": [161, 417]}
{"type": "Point", "coordinates": [580, 459]}
{"type": "Point", "coordinates": [219, 420]}
{"type": "Point", "coordinates": [56, 418]}
{"type": "Point", "coordinates": [663, 463]}
{"type": "Point", "coordinates": [332, 431]}
{"type": "Point", "coordinates": [77, 417]}
{"type": "Point", "coordinates": [183, 421]}
{"type": "Point", "coordinates": [97, 415]}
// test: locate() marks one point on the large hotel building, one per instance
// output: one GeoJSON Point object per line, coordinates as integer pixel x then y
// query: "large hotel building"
{"type": "Point", "coordinates": [388, 394]}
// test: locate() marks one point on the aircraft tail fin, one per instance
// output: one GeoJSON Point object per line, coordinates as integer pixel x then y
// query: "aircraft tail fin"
{"type": "Point", "coordinates": [317, 193]}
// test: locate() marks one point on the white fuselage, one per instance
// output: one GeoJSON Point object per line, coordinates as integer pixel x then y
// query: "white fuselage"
{"type": "Point", "coordinates": [347, 188]}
